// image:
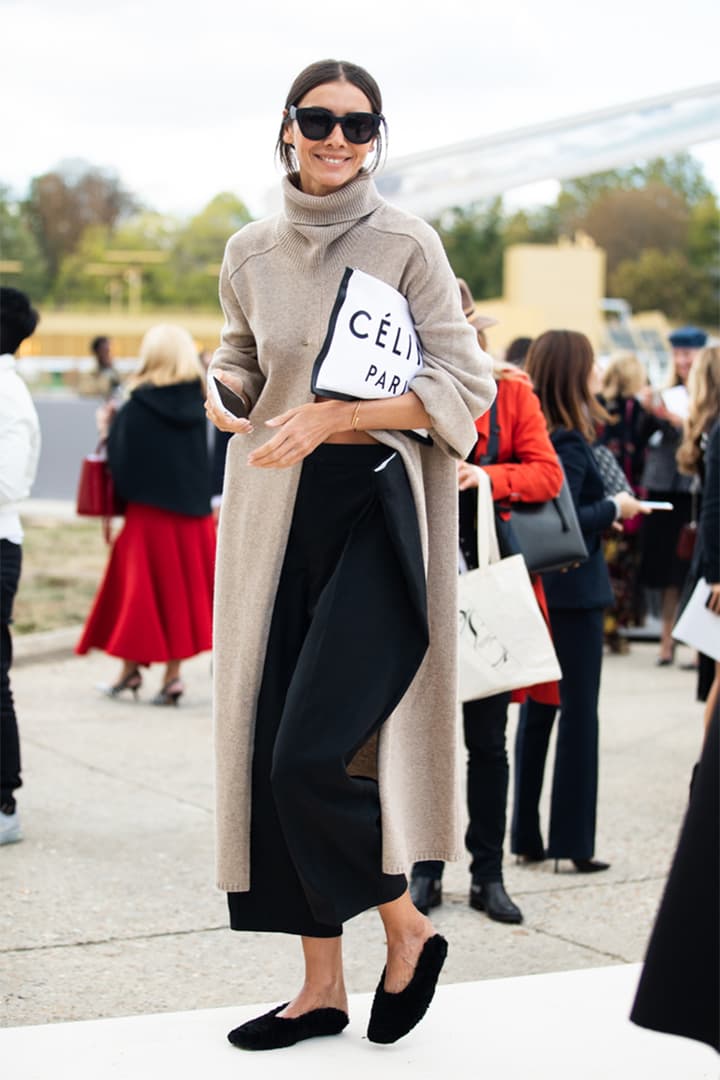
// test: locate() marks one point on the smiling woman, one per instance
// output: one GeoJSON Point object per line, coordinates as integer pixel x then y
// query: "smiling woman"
{"type": "Point", "coordinates": [336, 554]}
{"type": "Point", "coordinates": [331, 135]}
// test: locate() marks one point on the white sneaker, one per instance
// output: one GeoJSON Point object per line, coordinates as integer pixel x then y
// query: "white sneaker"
{"type": "Point", "coordinates": [10, 827]}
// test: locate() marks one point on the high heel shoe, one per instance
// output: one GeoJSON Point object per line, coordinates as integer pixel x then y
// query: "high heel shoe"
{"type": "Point", "coordinates": [586, 866]}
{"type": "Point", "coordinates": [529, 857]}
{"type": "Point", "coordinates": [171, 693]}
{"type": "Point", "coordinates": [132, 681]}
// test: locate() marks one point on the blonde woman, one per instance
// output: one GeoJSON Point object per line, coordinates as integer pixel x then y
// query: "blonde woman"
{"type": "Point", "coordinates": [155, 602]}
{"type": "Point", "coordinates": [662, 567]}
{"type": "Point", "coordinates": [697, 457]}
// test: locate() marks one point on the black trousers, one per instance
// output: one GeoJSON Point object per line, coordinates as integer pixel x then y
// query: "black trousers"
{"type": "Point", "coordinates": [10, 566]}
{"type": "Point", "coordinates": [348, 633]}
{"type": "Point", "coordinates": [578, 640]}
{"type": "Point", "coordinates": [484, 723]}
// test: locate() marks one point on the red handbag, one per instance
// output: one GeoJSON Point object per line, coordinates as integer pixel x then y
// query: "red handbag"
{"type": "Point", "coordinates": [96, 496]}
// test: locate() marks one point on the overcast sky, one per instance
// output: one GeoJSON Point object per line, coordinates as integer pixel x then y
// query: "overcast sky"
{"type": "Point", "coordinates": [183, 99]}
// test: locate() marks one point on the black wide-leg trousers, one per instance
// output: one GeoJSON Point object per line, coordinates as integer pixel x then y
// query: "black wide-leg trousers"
{"type": "Point", "coordinates": [578, 639]}
{"type": "Point", "coordinates": [348, 633]}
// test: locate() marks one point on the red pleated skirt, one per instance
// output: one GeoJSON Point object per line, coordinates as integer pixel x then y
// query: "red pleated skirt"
{"type": "Point", "coordinates": [155, 600]}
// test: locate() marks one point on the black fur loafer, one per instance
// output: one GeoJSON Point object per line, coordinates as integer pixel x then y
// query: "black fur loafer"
{"type": "Point", "coordinates": [393, 1015]}
{"type": "Point", "coordinates": [271, 1032]}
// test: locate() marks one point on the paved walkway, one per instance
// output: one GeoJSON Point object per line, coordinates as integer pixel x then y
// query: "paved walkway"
{"type": "Point", "coordinates": [108, 907]}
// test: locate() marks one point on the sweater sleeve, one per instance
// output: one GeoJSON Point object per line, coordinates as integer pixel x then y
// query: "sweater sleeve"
{"type": "Point", "coordinates": [593, 517]}
{"type": "Point", "coordinates": [456, 384]}
{"type": "Point", "coordinates": [534, 474]}
{"type": "Point", "coordinates": [237, 353]}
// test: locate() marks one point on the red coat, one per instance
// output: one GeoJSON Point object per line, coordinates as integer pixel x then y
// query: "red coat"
{"type": "Point", "coordinates": [528, 470]}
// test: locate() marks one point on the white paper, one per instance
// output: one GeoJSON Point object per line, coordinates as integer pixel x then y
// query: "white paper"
{"type": "Point", "coordinates": [676, 400]}
{"type": "Point", "coordinates": [697, 626]}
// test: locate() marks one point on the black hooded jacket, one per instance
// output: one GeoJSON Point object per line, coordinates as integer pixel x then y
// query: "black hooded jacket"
{"type": "Point", "coordinates": [157, 449]}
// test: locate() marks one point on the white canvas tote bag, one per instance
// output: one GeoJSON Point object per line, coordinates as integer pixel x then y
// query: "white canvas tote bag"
{"type": "Point", "coordinates": [504, 643]}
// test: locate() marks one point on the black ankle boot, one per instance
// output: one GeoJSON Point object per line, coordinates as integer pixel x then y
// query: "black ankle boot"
{"type": "Point", "coordinates": [393, 1015]}
{"type": "Point", "coordinates": [425, 892]}
{"type": "Point", "coordinates": [490, 897]}
{"type": "Point", "coordinates": [271, 1032]}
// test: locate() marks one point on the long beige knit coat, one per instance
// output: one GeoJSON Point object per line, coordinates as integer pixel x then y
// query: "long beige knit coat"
{"type": "Point", "coordinates": [278, 283]}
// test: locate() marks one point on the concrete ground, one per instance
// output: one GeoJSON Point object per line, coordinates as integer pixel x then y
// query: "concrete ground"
{"type": "Point", "coordinates": [108, 908]}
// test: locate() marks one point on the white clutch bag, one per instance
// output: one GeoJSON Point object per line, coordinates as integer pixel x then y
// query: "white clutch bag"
{"type": "Point", "coordinates": [371, 349]}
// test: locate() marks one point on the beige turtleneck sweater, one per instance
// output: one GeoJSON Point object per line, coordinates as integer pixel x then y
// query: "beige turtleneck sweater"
{"type": "Point", "coordinates": [277, 287]}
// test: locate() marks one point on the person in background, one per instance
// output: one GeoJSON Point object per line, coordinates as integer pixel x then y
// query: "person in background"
{"type": "Point", "coordinates": [517, 351]}
{"type": "Point", "coordinates": [19, 454]}
{"type": "Point", "coordinates": [523, 467]}
{"type": "Point", "coordinates": [661, 566]}
{"type": "Point", "coordinates": [622, 380]}
{"type": "Point", "coordinates": [155, 602]}
{"type": "Point", "coordinates": [697, 457]}
{"type": "Point", "coordinates": [679, 988]}
{"type": "Point", "coordinates": [560, 364]}
{"type": "Point", "coordinates": [106, 381]}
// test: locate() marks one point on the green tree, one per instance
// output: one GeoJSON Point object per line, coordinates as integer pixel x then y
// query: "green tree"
{"type": "Point", "coordinates": [17, 244]}
{"type": "Point", "coordinates": [473, 239]}
{"type": "Point", "coordinates": [199, 246]}
{"type": "Point", "coordinates": [63, 203]}
{"type": "Point", "coordinates": [666, 281]}
{"type": "Point", "coordinates": [626, 222]}
{"type": "Point", "coordinates": [540, 225]}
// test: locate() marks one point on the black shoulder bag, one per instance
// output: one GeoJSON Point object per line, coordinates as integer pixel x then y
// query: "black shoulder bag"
{"type": "Point", "coordinates": [546, 534]}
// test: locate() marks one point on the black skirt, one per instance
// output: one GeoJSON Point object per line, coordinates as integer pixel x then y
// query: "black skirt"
{"type": "Point", "coordinates": [348, 633]}
{"type": "Point", "coordinates": [660, 567]}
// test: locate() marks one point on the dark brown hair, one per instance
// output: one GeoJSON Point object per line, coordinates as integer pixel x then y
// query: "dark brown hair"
{"type": "Point", "coordinates": [559, 363]}
{"type": "Point", "coordinates": [325, 71]}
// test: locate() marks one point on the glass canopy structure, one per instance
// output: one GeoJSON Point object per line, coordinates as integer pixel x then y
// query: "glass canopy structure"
{"type": "Point", "coordinates": [432, 181]}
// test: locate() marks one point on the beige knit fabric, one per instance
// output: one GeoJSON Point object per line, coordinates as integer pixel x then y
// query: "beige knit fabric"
{"type": "Point", "coordinates": [277, 286]}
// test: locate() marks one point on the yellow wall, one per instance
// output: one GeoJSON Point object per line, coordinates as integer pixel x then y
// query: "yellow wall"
{"type": "Point", "coordinates": [69, 333]}
{"type": "Point", "coordinates": [549, 287]}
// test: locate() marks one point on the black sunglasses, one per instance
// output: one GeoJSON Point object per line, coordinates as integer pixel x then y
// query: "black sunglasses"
{"type": "Point", "coordinates": [316, 123]}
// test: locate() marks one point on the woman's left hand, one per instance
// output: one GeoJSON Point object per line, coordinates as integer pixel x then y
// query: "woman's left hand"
{"type": "Point", "coordinates": [300, 431]}
{"type": "Point", "coordinates": [713, 600]}
{"type": "Point", "coordinates": [468, 475]}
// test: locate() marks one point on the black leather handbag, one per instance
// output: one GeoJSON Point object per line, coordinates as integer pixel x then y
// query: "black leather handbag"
{"type": "Point", "coordinates": [546, 534]}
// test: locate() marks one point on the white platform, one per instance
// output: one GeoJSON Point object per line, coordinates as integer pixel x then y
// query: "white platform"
{"type": "Point", "coordinates": [564, 1026]}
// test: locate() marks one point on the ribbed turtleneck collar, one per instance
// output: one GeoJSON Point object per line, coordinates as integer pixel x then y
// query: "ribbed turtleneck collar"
{"type": "Point", "coordinates": [311, 224]}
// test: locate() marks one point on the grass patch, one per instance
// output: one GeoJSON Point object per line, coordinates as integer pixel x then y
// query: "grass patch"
{"type": "Point", "coordinates": [63, 563]}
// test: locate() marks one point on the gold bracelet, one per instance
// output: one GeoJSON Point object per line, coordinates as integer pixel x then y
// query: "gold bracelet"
{"type": "Point", "coordinates": [354, 421]}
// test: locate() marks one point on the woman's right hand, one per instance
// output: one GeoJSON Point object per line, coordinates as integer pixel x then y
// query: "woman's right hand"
{"type": "Point", "coordinates": [223, 420]}
{"type": "Point", "coordinates": [629, 506]}
{"type": "Point", "coordinates": [468, 475]}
